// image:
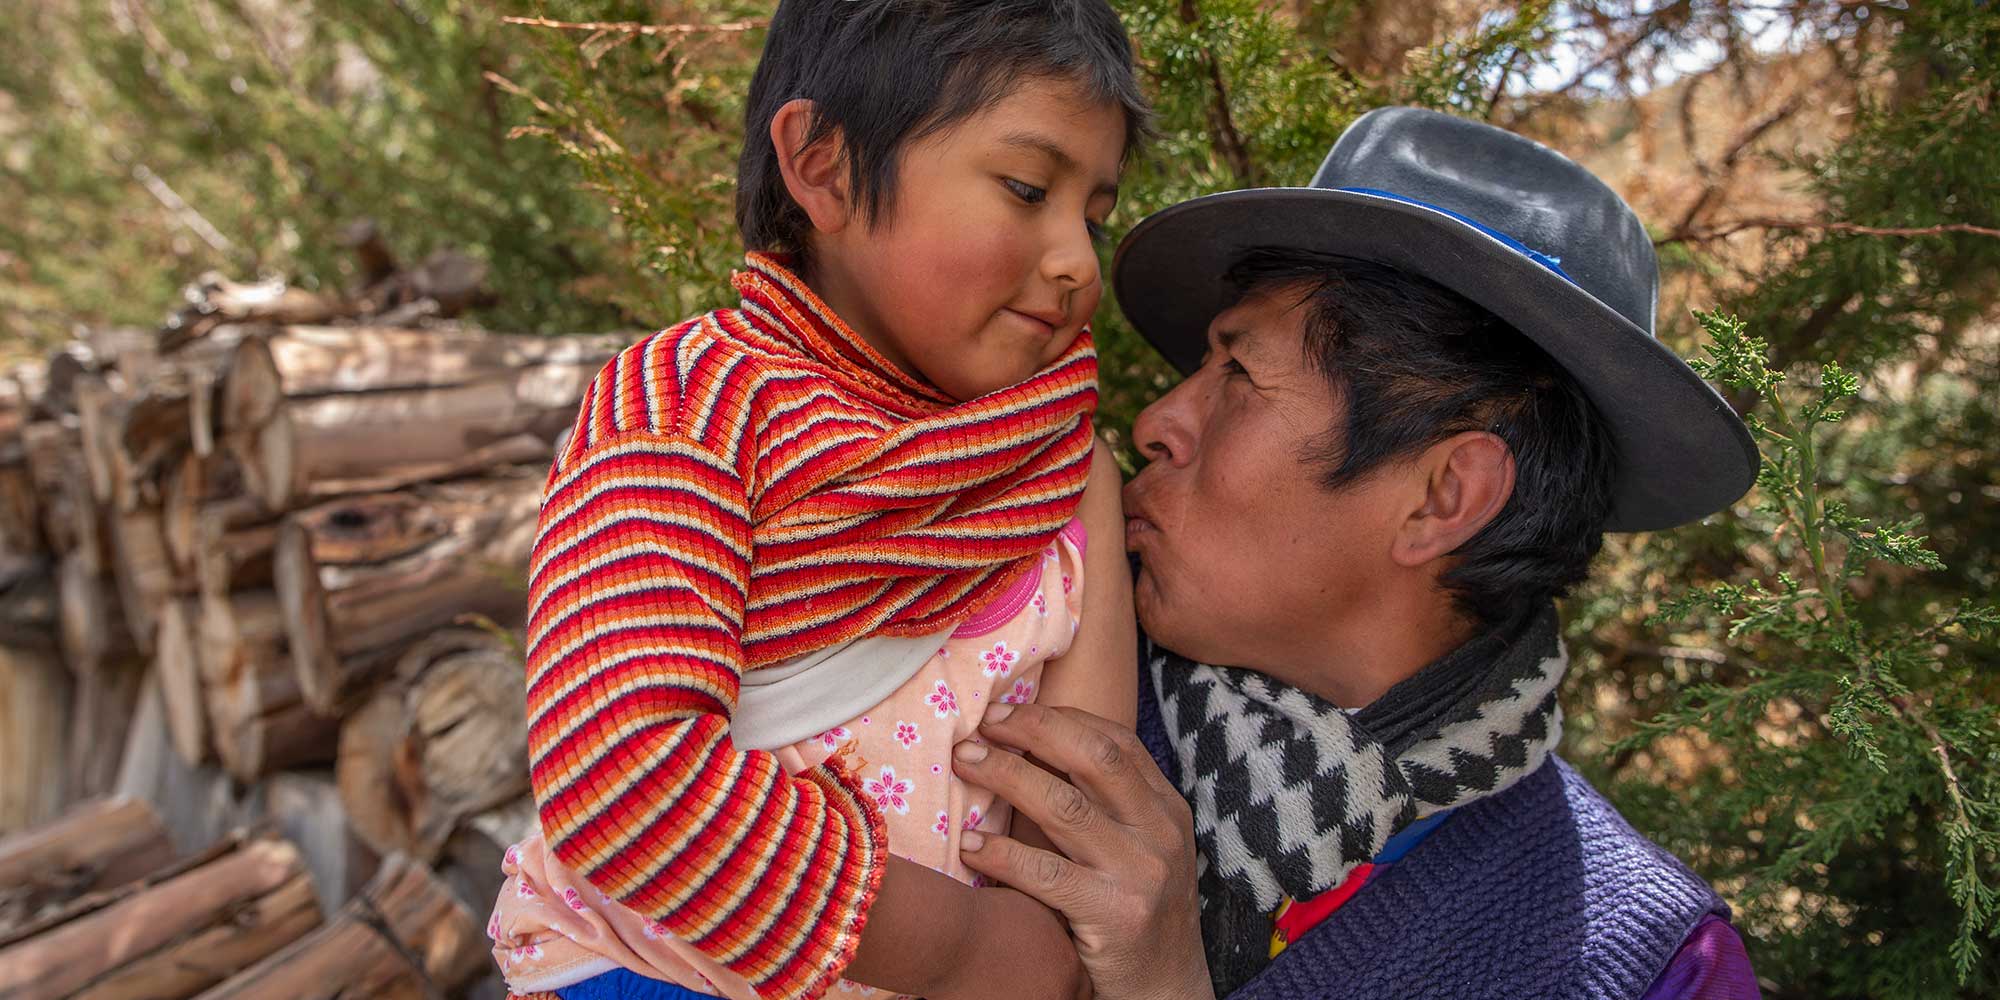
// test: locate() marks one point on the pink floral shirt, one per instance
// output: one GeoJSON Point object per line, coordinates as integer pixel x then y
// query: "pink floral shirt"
{"type": "Point", "coordinates": [551, 929]}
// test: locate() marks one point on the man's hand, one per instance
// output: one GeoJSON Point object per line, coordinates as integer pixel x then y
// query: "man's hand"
{"type": "Point", "coordinates": [1127, 882]}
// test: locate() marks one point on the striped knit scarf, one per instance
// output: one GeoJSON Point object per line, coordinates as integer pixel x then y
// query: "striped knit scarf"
{"type": "Point", "coordinates": [904, 526]}
{"type": "Point", "coordinates": [1290, 792]}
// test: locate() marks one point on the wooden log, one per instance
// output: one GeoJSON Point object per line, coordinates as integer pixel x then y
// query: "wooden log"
{"type": "Point", "coordinates": [200, 805]}
{"type": "Point", "coordinates": [234, 540]}
{"type": "Point", "coordinates": [91, 621]}
{"type": "Point", "coordinates": [320, 360]}
{"type": "Point", "coordinates": [328, 446]}
{"type": "Point", "coordinates": [54, 453]}
{"type": "Point", "coordinates": [96, 405]}
{"type": "Point", "coordinates": [101, 720]}
{"type": "Point", "coordinates": [142, 572]}
{"type": "Point", "coordinates": [305, 807]}
{"type": "Point", "coordinates": [261, 723]}
{"type": "Point", "coordinates": [257, 717]}
{"type": "Point", "coordinates": [98, 845]}
{"type": "Point", "coordinates": [170, 936]}
{"type": "Point", "coordinates": [177, 671]}
{"type": "Point", "coordinates": [21, 538]}
{"type": "Point", "coordinates": [474, 853]}
{"type": "Point", "coordinates": [192, 488]}
{"type": "Point", "coordinates": [404, 936]}
{"type": "Point", "coordinates": [35, 693]}
{"type": "Point", "coordinates": [360, 579]}
{"type": "Point", "coordinates": [447, 740]}
{"type": "Point", "coordinates": [250, 388]}
{"type": "Point", "coordinates": [237, 631]}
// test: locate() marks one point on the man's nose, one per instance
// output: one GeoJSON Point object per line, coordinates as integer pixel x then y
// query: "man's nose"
{"type": "Point", "coordinates": [1166, 428]}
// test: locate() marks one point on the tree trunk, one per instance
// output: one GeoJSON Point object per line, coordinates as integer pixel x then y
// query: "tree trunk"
{"type": "Point", "coordinates": [99, 845]}
{"type": "Point", "coordinates": [171, 936]}
{"type": "Point", "coordinates": [446, 741]}
{"type": "Point", "coordinates": [360, 579]}
{"type": "Point", "coordinates": [405, 936]}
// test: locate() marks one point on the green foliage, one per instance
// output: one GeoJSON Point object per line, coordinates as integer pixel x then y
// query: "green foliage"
{"type": "Point", "coordinates": [1844, 723]}
{"type": "Point", "coordinates": [1922, 158]}
{"type": "Point", "coordinates": [152, 141]}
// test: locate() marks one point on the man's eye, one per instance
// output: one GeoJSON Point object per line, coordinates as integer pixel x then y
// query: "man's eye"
{"type": "Point", "coordinates": [1234, 367]}
{"type": "Point", "coordinates": [1098, 235]}
{"type": "Point", "coordinates": [1026, 192]}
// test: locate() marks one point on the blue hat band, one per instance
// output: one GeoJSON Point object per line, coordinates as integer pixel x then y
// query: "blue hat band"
{"type": "Point", "coordinates": [1552, 263]}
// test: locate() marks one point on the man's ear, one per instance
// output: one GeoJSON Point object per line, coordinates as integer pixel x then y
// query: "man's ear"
{"type": "Point", "coordinates": [1467, 479]}
{"type": "Point", "coordinates": [816, 175]}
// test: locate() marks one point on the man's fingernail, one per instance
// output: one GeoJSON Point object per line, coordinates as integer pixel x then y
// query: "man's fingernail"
{"type": "Point", "coordinates": [997, 712]}
{"type": "Point", "coordinates": [969, 752]}
{"type": "Point", "coordinates": [971, 840]}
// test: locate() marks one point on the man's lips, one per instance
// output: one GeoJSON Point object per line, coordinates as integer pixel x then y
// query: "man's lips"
{"type": "Point", "coordinates": [1137, 523]}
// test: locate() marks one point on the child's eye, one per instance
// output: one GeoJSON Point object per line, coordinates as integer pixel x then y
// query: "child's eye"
{"type": "Point", "coordinates": [1026, 192]}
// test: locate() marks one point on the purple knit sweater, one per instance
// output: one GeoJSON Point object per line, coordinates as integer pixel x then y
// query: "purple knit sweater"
{"type": "Point", "coordinates": [1541, 891]}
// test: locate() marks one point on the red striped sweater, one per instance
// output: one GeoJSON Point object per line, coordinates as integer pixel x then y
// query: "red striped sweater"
{"type": "Point", "coordinates": [749, 486]}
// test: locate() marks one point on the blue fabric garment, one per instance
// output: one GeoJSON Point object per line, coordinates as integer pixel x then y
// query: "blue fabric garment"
{"type": "Point", "coordinates": [624, 984]}
{"type": "Point", "coordinates": [1407, 839]}
{"type": "Point", "coordinates": [1541, 891]}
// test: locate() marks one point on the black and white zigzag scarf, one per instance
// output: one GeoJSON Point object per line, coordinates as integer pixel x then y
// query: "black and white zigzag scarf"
{"type": "Point", "coordinates": [1290, 792]}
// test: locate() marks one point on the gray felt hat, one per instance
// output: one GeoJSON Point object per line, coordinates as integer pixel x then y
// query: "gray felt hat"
{"type": "Point", "coordinates": [1502, 220]}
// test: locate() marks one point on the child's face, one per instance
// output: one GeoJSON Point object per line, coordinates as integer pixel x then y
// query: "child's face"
{"type": "Point", "coordinates": [981, 269]}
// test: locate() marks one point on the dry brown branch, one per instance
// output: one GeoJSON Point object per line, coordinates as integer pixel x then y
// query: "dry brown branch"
{"type": "Point", "coordinates": [1805, 225]}
{"type": "Point", "coordinates": [635, 27]}
{"type": "Point", "coordinates": [1717, 176]}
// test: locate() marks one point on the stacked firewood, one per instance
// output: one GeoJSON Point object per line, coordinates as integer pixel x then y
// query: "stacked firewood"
{"type": "Point", "coordinates": [262, 576]}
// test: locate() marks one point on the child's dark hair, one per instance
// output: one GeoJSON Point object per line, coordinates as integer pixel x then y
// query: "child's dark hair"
{"type": "Point", "coordinates": [888, 72]}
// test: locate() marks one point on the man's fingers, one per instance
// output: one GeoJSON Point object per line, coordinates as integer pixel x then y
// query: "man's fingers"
{"type": "Point", "coordinates": [1072, 821]}
{"type": "Point", "coordinates": [1104, 760]}
{"type": "Point", "coordinates": [1055, 881]}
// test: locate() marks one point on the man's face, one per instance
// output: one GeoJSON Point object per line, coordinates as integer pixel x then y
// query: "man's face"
{"type": "Point", "coordinates": [1247, 560]}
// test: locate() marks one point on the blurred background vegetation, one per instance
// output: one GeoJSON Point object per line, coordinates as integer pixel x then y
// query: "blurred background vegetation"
{"type": "Point", "coordinates": [1797, 695]}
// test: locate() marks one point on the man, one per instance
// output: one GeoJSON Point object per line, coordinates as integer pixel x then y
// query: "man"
{"type": "Point", "coordinates": [1418, 392]}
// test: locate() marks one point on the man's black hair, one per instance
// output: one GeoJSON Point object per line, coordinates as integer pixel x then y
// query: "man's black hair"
{"type": "Point", "coordinates": [884, 73]}
{"type": "Point", "coordinates": [1412, 363]}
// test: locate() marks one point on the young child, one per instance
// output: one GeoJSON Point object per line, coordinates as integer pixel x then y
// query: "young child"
{"type": "Point", "coordinates": [792, 549]}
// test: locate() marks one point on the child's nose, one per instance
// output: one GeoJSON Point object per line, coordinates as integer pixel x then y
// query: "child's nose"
{"type": "Point", "coordinates": [1071, 260]}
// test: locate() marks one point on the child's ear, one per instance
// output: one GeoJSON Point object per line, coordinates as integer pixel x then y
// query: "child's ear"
{"type": "Point", "coordinates": [816, 175]}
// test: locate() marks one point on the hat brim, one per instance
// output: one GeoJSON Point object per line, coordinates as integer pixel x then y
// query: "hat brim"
{"type": "Point", "coordinates": [1682, 452]}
